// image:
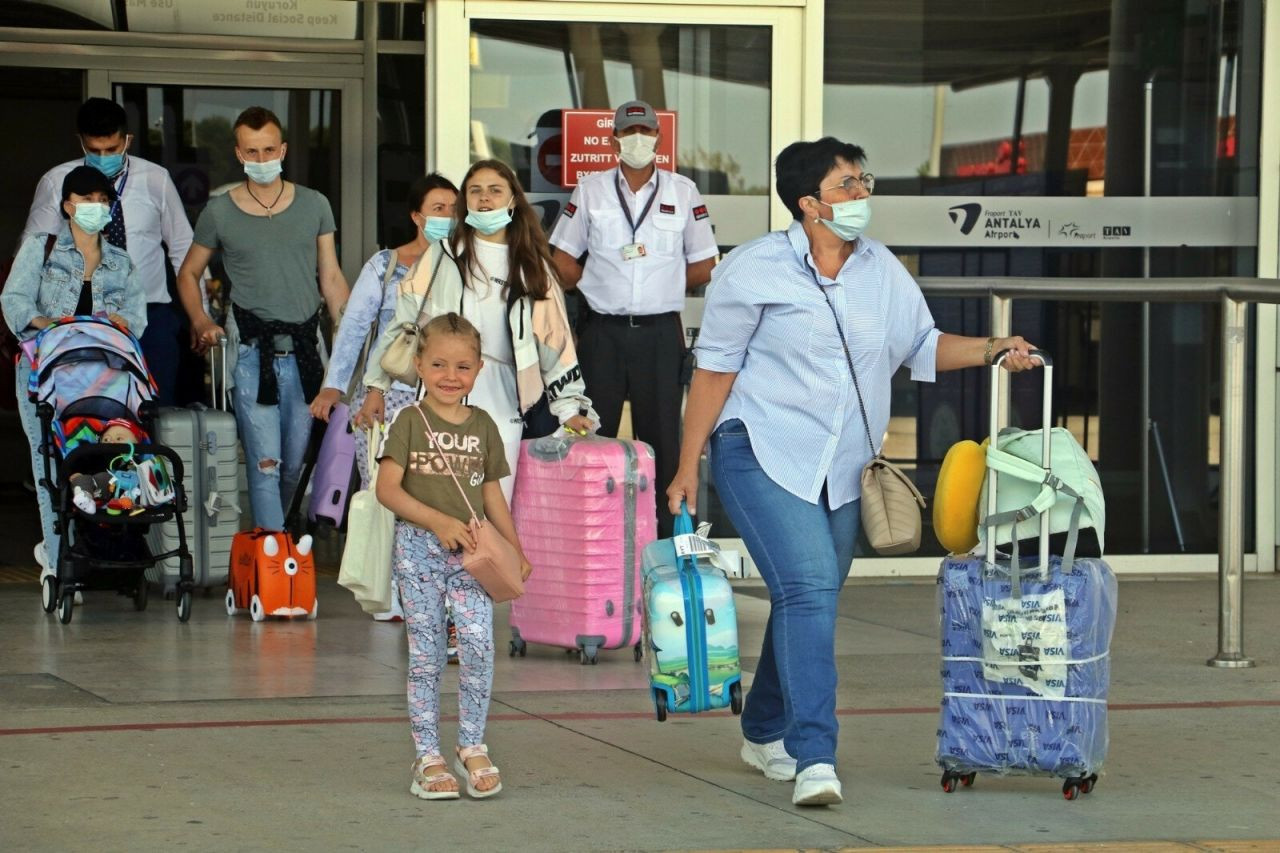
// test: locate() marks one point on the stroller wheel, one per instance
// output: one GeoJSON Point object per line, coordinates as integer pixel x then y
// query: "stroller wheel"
{"type": "Point", "coordinates": [140, 595]}
{"type": "Point", "coordinates": [66, 606]}
{"type": "Point", "coordinates": [184, 605]}
{"type": "Point", "coordinates": [48, 593]}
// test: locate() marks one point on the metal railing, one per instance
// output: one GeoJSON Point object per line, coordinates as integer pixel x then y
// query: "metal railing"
{"type": "Point", "coordinates": [1234, 295]}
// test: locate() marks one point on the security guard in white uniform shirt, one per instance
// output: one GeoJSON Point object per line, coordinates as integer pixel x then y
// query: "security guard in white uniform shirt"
{"type": "Point", "coordinates": [648, 239]}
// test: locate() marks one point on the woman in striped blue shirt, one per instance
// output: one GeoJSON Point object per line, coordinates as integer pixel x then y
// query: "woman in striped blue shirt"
{"type": "Point", "coordinates": [788, 317]}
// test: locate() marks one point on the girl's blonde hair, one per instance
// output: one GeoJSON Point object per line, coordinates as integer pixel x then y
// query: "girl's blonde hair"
{"type": "Point", "coordinates": [452, 323]}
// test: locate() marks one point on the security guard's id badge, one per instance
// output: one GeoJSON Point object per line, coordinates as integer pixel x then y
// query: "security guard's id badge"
{"type": "Point", "coordinates": [631, 251]}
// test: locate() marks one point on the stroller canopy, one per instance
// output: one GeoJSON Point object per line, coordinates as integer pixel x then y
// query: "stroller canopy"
{"type": "Point", "coordinates": [90, 371]}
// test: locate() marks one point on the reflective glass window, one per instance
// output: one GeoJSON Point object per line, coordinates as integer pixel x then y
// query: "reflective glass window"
{"type": "Point", "coordinates": [1103, 98]}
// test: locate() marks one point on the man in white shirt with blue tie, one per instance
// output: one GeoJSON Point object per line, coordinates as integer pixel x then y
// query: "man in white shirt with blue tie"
{"type": "Point", "coordinates": [648, 239]}
{"type": "Point", "coordinates": [146, 218]}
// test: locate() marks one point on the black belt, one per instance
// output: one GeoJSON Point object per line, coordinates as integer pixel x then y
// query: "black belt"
{"type": "Point", "coordinates": [632, 320]}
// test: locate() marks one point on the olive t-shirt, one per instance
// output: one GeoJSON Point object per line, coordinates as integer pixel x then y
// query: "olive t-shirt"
{"type": "Point", "coordinates": [271, 261]}
{"type": "Point", "coordinates": [473, 447]}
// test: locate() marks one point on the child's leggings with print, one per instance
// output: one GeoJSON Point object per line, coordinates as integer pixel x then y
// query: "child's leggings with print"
{"type": "Point", "coordinates": [428, 575]}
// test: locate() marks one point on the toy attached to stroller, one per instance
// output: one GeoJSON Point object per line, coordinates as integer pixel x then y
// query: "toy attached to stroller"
{"type": "Point", "coordinates": [108, 483]}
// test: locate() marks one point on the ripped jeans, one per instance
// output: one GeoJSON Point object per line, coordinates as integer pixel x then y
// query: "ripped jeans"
{"type": "Point", "coordinates": [274, 437]}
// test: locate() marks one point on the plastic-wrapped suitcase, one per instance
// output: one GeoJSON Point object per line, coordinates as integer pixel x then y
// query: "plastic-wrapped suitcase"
{"type": "Point", "coordinates": [335, 468]}
{"type": "Point", "coordinates": [584, 510]}
{"type": "Point", "coordinates": [691, 627]}
{"type": "Point", "coordinates": [205, 439]}
{"type": "Point", "coordinates": [1025, 656]}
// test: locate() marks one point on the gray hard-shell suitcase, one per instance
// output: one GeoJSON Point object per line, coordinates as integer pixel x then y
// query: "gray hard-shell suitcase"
{"type": "Point", "coordinates": [205, 438]}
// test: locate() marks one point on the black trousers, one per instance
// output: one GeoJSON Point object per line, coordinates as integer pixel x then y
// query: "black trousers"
{"type": "Point", "coordinates": [640, 363]}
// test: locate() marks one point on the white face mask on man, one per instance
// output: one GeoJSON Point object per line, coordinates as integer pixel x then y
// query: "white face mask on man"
{"type": "Point", "coordinates": [637, 150]}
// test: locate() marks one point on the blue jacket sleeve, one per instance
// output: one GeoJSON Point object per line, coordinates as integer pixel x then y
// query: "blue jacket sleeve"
{"type": "Point", "coordinates": [22, 288]}
{"type": "Point", "coordinates": [360, 315]}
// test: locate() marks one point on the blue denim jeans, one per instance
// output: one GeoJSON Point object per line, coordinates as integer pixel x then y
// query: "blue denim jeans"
{"type": "Point", "coordinates": [274, 437]}
{"type": "Point", "coordinates": [802, 552]}
{"type": "Point", "coordinates": [31, 426]}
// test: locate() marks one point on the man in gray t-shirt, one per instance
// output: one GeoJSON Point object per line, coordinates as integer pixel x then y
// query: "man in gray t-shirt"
{"type": "Point", "coordinates": [276, 239]}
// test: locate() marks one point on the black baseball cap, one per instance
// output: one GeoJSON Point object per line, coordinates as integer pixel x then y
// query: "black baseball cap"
{"type": "Point", "coordinates": [83, 180]}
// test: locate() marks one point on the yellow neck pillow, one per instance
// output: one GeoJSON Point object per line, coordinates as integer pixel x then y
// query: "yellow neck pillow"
{"type": "Point", "coordinates": [955, 501]}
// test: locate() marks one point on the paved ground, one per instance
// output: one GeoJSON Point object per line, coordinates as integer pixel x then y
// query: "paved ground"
{"type": "Point", "coordinates": [130, 731]}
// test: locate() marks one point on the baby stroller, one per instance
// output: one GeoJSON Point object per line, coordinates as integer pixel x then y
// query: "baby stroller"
{"type": "Point", "coordinates": [87, 376]}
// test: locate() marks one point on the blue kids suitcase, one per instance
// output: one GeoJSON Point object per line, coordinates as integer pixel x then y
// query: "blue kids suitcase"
{"type": "Point", "coordinates": [690, 626]}
{"type": "Point", "coordinates": [1025, 652]}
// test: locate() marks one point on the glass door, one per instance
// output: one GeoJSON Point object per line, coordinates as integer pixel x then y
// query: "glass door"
{"type": "Point", "coordinates": [730, 74]}
{"type": "Point", "coordinates": [184, 124]}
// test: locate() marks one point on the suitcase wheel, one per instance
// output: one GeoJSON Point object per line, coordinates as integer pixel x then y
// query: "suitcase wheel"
{"type": "Point", "coordinates": [232, 610]}
{"type": "Point", "coordinates": [639, 652]}
{"type": "Point", "coordinates": [1078, 785]}
{"type": "Point", "coordinates": [517, 647]}
{"type": "Point", "coordinates": [660, 703]}
{"type": "Point", "coordinates": [735, 697]}
{"type": "Point", "coordinates": [588, 655]}
{"type": "Point", "coordinates": [951, 780]}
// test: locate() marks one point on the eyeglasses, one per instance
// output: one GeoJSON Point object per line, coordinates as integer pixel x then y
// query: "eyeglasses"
{"type": "Point", "coordinates": [866, 179]}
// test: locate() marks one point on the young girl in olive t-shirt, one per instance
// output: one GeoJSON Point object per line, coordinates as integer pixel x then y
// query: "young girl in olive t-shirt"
{"type": "Point", "coordinates": [432, 529]}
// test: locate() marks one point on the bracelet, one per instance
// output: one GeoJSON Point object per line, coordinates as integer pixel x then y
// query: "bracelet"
{"type": "Point", "coordinates": [986, 354]}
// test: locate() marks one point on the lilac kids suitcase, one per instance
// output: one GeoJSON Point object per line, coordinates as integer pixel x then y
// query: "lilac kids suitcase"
{"type": "Point", "coordinates": [335, 469]}
{"type": "Point", "coordinates": [584, 509]}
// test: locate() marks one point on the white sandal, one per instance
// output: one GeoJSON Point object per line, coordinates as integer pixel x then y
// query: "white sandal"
{"type": "Point", "coordinates": [421, 785]}
{"type": "Point", "coordinates": [474, 776]}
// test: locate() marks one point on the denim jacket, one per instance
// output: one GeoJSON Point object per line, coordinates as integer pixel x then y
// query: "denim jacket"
{"type": "Point", "coordinates": [369, 305]}
{"type": "Point", "coordinates": [39, 289]}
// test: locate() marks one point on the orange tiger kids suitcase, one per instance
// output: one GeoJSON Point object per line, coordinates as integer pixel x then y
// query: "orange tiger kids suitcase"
{"type": "Point", "coordinates": [271, 575]}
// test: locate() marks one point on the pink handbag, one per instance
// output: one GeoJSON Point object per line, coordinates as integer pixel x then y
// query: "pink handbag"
{"type": "Point", "coordinates": [494, 562]}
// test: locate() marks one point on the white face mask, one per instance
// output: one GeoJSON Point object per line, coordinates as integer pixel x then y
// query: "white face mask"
{"type": "Point", "coordinates": [637, 150]}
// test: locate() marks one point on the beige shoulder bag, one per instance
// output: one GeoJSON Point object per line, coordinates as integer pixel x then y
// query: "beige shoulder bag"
{"type": "Point", "coordinates": [891, 503]}
{"type": "Point", "coordinates": [398, 358]}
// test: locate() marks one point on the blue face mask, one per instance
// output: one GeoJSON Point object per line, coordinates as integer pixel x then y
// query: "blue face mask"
{"type": "Point", "coordinates": [108, 164]}
{"type": "Point", "coordinates": [263, 173]}
{"type": "Point", "coordinates": [489, 222]}
{"type": "Point", "coordinates": [438, 227]}
{"type": "Point", "coordinates": [91, 216]}
{"type": "Point", "coordinates": [848, 218]}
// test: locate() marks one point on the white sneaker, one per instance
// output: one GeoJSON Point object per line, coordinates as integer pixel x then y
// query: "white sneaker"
{"type": "Point", "coordinates": [817, 785]}
{"type": "Point", "coordinates": [771, 759]}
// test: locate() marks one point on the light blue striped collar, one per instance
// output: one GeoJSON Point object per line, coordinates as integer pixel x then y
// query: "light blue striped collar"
{"type": "Point", "coordinates": [800, 245]}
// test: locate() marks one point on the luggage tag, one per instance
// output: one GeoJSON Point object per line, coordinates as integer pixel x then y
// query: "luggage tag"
{"type": "Point", "coordinates": [631, 251]}
{"type": "Point", "coordinates": [691, 544]}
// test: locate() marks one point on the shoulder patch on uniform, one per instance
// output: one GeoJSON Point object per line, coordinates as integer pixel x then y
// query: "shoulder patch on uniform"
{"type": "Point", "coordinates": [570, 209]}
{"type": "Point", "coordinates": [666, 208]}
{"type": "Point", "coordinates": [700, 212]}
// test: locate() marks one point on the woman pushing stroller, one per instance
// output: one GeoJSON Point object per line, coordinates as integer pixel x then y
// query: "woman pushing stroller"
{"type": "Point", "coordinates": [74, 272]}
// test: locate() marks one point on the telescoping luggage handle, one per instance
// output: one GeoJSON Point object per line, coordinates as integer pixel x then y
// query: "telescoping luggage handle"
{"type": "Point", "coordinates": [1047, 496]}
{"type": "Point", "coordinates": [695, 628]}
{"type": "Point", "coordinates": [218, 365]}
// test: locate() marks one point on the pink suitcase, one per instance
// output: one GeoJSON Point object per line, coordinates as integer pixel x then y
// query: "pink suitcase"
{"type": "Point", "coordinates": [584, 509]}
{"type": "Point", "coordinates": [334, 471]}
